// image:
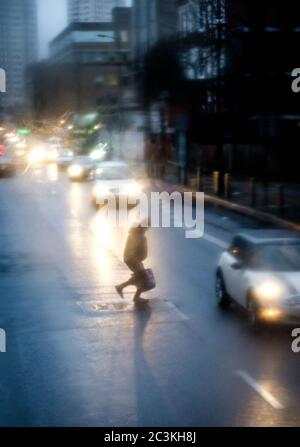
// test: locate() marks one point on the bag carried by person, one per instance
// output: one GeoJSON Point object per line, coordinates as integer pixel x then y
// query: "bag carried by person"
{"type": "Point", "coordinates": [145, 280]}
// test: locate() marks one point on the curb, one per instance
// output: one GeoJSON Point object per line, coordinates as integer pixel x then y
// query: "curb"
{"type": "Point", "coordinates": [240, 209]}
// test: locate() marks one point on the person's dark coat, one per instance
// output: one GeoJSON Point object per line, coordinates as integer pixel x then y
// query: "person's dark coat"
{"type": "Point", "coordinates": [136, 249]}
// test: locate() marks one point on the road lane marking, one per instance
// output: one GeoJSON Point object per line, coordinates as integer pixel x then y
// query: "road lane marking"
{"type": "Point", "coordinates": [266, 395]}
{"type": "Point", "coordinates": [175, 309]}
{"type": "Point", "coordinates": [179, 223]}
{"type": "Point", "coordinates": [215, 240]}
{"type": "Point", "coordinates": [26, 169]}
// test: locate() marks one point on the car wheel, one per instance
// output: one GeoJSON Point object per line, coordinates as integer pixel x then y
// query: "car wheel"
{"type": "Point", "coordinates": [223, 299]}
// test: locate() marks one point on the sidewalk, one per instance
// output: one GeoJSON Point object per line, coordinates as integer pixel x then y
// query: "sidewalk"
{"type": "Point", "coordinates": [267, 209]}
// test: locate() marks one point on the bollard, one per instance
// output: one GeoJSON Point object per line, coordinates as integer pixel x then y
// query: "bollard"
{"type": "Point", "coordinates": [150, 169]}
{"type": "Point", "coordinates": [199, 180]}
{"type": "Point", "coordinates": [179, 174]}
{"type": "Point", "coordinates": [227, 185]}
{"type": "Point", "coordinates": [216, 185]}
{"type": "Point", "coordinates": [253, 191]}
{"type": "Point", "coordinates": [182, 175]}
{"type": "Point", "coordinates": [156, 174]}
{"type": "Point", "coordinates": [163, 170]}
{"type": "Point", "coordinates": [159, 171]}
{"type": "Point", "coordinates": [186, 176]}
{"type": "Point", "coordinates": [154, 169]}
{"type": "Point", "coordinates": [281, 200]}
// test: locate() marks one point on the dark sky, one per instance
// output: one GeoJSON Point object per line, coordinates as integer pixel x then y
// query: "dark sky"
{"type": "Point", "coordinates": [52, 18]}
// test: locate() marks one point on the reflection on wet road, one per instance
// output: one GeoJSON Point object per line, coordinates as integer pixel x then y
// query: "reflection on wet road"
{"type": "Point", "coordinates": [79, 355]}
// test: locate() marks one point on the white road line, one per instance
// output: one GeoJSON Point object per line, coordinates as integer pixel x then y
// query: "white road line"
{"type": "Point", "coordinates": [175, 309]}
{"type": "Point", "coordinates": [215, 240]}
{"type": "Point", "coordinates": [27, 169]}
{"type": "Point", "coordinates": [268, 397]}
{"type": "Point", "coordinates": [179, 223]}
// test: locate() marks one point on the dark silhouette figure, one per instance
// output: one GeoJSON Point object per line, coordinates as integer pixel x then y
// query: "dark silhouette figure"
{"type": "Point", "coordinates": [136, 251]}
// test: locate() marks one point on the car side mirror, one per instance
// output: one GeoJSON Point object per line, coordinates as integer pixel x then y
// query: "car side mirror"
{"type": "Point", "coordinates": [237, 265]}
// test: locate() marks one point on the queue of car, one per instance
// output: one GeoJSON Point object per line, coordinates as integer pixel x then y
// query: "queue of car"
{"type": "Point", "coordinates": [258, 273]}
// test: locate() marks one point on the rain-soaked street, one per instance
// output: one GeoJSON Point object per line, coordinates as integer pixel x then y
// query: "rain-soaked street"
{"type": "Point", "coordinates": [79, 355]}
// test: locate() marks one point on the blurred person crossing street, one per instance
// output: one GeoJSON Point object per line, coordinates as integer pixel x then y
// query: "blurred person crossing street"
{"type": "Point", "coordinates": [135, 253]}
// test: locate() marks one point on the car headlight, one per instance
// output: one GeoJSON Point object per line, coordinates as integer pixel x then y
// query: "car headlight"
{"type": "Point", "coordinates": [100, 191]}
{"type": "Point", "coordinates": [269, 290]}
{"type": "Point", "coordinates": [75, 171]}
{"type": "Point", "coordinates": [52, 155]}
{"type": "Point", "coordinates": [36, 156]}
{"type": "Point", "coordinates": [132, 189]}
{"type": "Point", "coordinates": [271, 313]}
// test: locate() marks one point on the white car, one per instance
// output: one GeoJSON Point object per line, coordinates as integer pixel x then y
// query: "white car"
{"type": "Point", "coordinates": [65, 158]}
{"type": "Point", "coordinates": [261, 272]}
{"type": "Point", "coordinates": [81, 168]}
{"type": "Point", "coordinates": [114, 180]}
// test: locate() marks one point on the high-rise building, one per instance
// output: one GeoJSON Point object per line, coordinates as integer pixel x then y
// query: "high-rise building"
{"type": "Point", "coordinates": [18, 47]}
{"type": "Point", "coordinates": [153, 20]}
{"type": "Point", "coordinates": [92, 10]}
{"type": "Point", "coordinates": [202, 18]}
{"type": "Point", "coordinates": [88, 68]}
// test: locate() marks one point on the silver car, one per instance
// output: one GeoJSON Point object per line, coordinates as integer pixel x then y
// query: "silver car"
{"type": "Point", "coordinates": [260, 272]}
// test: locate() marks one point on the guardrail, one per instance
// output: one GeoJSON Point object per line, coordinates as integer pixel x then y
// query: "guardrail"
{"type": "Point", "coordinates": [281, 199]}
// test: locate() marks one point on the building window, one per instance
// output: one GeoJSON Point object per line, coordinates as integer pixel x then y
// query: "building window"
{"type": "Point", "coordinates": [112, 80]}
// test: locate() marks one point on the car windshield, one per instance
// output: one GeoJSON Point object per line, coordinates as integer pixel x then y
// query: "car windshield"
{"type": "Point", "coordinates": [65, 153]}
{"type": "Point", "coordinates": [83, 161]}
{"type": "Point", "coordinates": [276, 257]}
{"type": "Point", "coordinates": [113, 173]}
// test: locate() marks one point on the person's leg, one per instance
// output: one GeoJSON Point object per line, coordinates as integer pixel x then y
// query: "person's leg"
{"type": "Point", "coordinates": [130, 282]}
{"type": "Point", "coordinates": [135, 267]}
{"type": "Point", "coordinates": [138, 268]}
{"type": "Point", "coordinates": [122, 286]}
{"type": "Point", "coordinates": [137, 295]}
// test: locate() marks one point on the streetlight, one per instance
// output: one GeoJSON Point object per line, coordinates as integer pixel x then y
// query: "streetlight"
{"type": "Point", "coordinates": [117, 41]}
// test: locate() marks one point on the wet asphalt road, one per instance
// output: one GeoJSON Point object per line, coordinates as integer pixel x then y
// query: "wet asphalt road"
{"type": "Point", "coordinates": [79, 356]}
